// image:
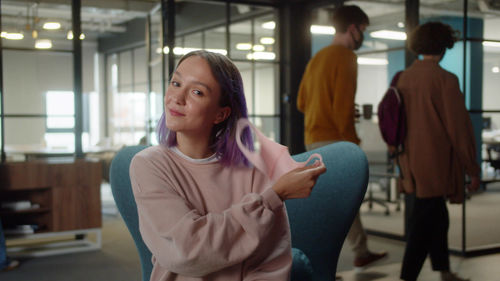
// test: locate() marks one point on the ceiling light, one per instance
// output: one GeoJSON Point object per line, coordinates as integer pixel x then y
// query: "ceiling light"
{"type": "Point", "coordinates": [389, 34]}
{"type": "Point", "coordinates": [219, 51]}
{"type": "Point", "coordinates": [495, 69]}
{"type": "Point", "coordinates": [51, 25]}
{"type": "Point", "coordinates": [269, 25]}
{"type": "Point", "coordinates": [261, 56]}
{"type": "Point", "coordinates": [401, 24]}
{"type": "Point", "coordinates": [34, 34]}
{"type": "Point", "coordinates": [322, 29]}
{"type": "Point", "coordinates": [258, 48]}
{"type": "Point", "coordinates": [182, 51]}
{"type": "Point", "coordinates": [69, 35]}
{"type": "Point", "coordinates": [372, 61]}
{"type": "Point", "coordinates": [12, 36]}
{"type": "Point", "coordinates": [243, 46]}
{"type": "Point", "coordinates": [267, 40]}
{"type": "Point", "coordinates": [43, 44]}
{"type": "Point", "coordinates": [491, 44]}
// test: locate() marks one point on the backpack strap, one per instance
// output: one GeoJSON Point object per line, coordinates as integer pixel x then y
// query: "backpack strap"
{"type": "Point", "coordinates": [400, 148]}
{"type": "Point", "coordinates": [395, 79]}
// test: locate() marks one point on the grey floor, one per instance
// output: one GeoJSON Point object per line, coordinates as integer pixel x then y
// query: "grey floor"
{"type": "Point", "coordinates": [118, 260]}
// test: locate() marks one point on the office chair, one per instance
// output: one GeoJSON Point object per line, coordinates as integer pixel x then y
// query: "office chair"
{"type": "Point", "coordinates": [319, 223]}
{"type": "Point", "coordinates": [493, 151]}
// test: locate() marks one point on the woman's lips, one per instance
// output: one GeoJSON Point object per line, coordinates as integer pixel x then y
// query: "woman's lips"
{"type": "Point", "coordinates": [175, 113]}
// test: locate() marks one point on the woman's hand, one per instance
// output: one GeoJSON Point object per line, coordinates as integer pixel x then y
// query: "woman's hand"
{"type": "Point", "coordinates": [298, 183]}
{"type": "Point", "coordinates": [474, 184]}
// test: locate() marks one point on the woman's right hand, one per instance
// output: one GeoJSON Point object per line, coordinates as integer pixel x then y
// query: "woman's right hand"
{"type": "Point", "coordinates": [298, 183]}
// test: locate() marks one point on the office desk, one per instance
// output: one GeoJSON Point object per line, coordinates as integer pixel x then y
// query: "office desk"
{"type": "Point", "coordinates": [31, 152]}
{"type": "Point", "coordinates": [16, 153]}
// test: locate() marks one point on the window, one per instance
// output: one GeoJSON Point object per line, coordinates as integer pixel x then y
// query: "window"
{"type": "Point", "coordinates": [60, 122]}
{"type": "Point", "coordinates": [60, 108]}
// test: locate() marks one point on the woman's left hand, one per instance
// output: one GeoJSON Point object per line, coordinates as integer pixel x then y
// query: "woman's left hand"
{"type": "Point", "coordinates": [474, 184]}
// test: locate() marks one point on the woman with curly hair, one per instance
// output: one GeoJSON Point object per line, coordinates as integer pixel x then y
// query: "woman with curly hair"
{"type": "Point", "coordinates": [438, 149]}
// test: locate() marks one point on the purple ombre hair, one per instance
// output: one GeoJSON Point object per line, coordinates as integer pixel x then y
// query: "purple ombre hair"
{"type": "Point", "coordinates": [223, 136]}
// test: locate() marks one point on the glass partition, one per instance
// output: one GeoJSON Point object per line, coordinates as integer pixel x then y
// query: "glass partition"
{"type": "Point", "coordinates": [476, 66]}
{"type": "Point", "coordinates": [381, 56]}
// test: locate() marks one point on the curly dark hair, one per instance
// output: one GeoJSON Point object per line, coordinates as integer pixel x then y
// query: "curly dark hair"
{"type": "Point", "coordinates": [432, 38]}
{"type": "Point", "coordinates": [344, 16]}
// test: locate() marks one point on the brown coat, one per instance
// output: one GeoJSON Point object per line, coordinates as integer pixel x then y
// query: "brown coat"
{"type": "Point", "coordinates": [440, 144]}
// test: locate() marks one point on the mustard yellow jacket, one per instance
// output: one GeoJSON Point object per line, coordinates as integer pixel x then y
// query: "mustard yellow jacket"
{"type": "Point", "coordinates": [326, 96]}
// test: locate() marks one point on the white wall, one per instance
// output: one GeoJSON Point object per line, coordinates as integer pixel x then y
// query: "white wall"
{"type": "Point", "coordinates": [28, 75]}
{"type": "Point", "coordinates": [491, 87]}
{"type": "Point", "coordinates": [372, 84]}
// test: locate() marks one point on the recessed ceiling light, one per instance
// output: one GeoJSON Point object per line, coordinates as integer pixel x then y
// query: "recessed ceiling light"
{"type": "Point", "coordinates": [43, 44]}
{"type": "Point", "coordinates": [51, 25]}
{"type": "Point", "coordinates": [322, 29]}
{"type": "Point", "coordinates": [495, 69]}
{"type": "Point", "coordinates": [267, 40]}
{"type": "Point", "coordinates": [269, 25]}
{"type": "Point", "coordinates": [401, 24]}
{"type": "Point", "coordinates": [243, 46]}
{"type": "Point", "coordinates": [389, 34]}
{"type": "Point", "coordinates": [372, 61]}
{"type": "Point", "coordinates": [12, 36]}
{"type": "Point", "coordinates": [258, 48]}
{"type": "Point", "coordinates": [261, 56]}
{"type": "Point", "coordinates": [491, 44]}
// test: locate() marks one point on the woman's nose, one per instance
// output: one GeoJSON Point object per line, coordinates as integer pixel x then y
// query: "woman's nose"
{"type": "Point", "coordinates": [176, 96]}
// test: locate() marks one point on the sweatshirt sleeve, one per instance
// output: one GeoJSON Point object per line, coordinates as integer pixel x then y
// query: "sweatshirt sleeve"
{"type": "Point", "coordinates": [459, 126]}
{"type": "Point", "coordinates": [344, 90]}
{"type": "Point", "coordinates": [189, 243]}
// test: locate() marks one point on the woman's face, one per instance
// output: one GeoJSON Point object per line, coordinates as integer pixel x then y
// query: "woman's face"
{"type": "Point", "coordinates": [192, 99]}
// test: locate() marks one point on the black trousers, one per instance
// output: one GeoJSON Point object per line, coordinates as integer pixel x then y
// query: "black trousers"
{"type": "Point", "coordinates": [427, 234]}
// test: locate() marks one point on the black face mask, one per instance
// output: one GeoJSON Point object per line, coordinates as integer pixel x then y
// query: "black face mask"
{"type": "Point", "coordinates": [358, 43]}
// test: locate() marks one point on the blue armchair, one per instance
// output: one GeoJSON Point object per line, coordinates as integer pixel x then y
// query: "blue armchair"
{"type": "Point", "coordinates": [319, 224]}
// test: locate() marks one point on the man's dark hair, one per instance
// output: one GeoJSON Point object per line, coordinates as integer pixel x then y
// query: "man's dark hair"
{"type": "Point", "coordinates": [344, 16]}
{"type": "Point", "coordinates": [432, 38]}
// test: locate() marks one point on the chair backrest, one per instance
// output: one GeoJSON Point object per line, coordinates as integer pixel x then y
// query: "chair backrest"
{"type": "Point", "coordinates": [319, 224]}
{"type": "Point", "coordinates": [125, 202]}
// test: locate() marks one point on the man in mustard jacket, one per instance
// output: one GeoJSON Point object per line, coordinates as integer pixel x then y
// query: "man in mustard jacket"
{"type": "Point", "coordinates": [326, 97]}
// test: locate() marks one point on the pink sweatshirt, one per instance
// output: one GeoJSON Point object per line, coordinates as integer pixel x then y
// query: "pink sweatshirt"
{"type": "Point", "coordinates": [203, 221]}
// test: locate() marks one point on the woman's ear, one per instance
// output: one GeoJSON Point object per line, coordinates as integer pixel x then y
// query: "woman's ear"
{"type": "Point", "coordinates": [222, 115]}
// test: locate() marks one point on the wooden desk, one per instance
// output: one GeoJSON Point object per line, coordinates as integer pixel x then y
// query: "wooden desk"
{"type": "Point", "coordinates": [66, 191]}
{"type": "Point", "coordinates": [31, 152]}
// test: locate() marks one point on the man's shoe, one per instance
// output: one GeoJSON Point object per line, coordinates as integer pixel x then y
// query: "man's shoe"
{"type": "Point", "coordinates": [361, 263]}
{"type": "Point", "coordinates": [12, 264]}
{"type": "Point", "coordinates": [338, 278]}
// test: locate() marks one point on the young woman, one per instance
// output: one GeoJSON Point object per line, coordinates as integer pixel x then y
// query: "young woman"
{"type": "Point", "coordinates": [204, 213]}
{"type": "Point", "coordinates": [439, 147]}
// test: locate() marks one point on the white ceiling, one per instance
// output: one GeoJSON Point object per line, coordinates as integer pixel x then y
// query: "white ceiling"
{"type": "Point", "coordinates": [97, 16]}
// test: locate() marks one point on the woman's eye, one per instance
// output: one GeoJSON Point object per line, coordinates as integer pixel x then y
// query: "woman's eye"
{"type": "Point", "coordinates": [175, 83]}
{"type": "Point", "coordinates": [197, 92]}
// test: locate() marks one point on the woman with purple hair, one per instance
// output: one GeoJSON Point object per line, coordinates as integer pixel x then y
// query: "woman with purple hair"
{"type": "Point", "coordinates": [204, 212]}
